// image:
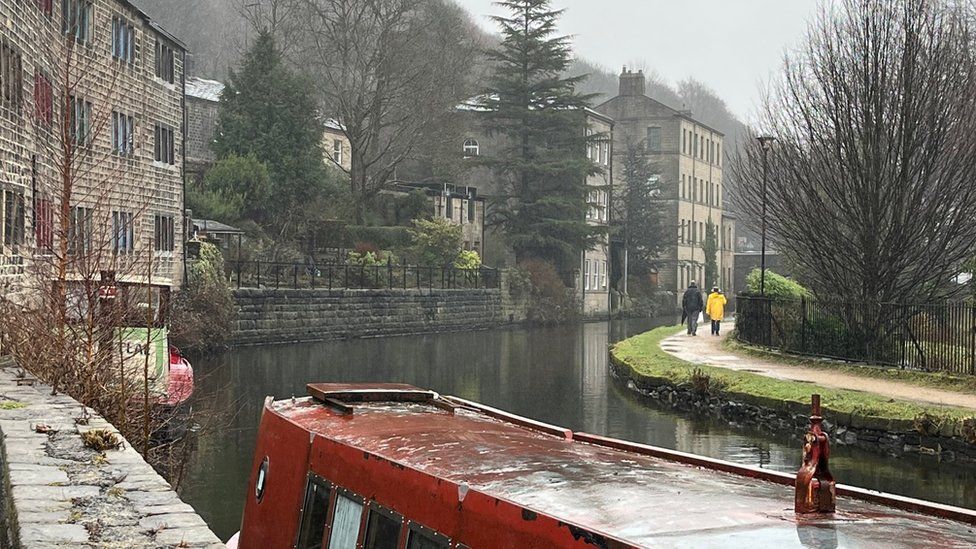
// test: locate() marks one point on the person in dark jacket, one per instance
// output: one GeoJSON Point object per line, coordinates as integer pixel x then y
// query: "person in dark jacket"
{"type": "Point", "coordinates": [692, 304]}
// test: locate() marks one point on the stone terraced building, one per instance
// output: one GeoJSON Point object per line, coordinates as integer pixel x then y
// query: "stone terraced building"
{"type": "Point", "coordinates": [690, 158]}
{"type": "Point", "coordinates": [91, 126]}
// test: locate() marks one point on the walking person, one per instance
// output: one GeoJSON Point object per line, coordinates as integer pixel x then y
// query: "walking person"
{"type": "Point", "coordinates": [715, 309]}
{"type": "Point", "coordinates": [691, 306]}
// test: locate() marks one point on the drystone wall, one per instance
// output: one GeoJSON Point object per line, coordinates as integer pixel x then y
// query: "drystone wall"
{"type": "Point", "coordinates": [56, 492]}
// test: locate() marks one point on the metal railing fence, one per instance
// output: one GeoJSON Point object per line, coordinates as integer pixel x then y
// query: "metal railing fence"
{"type": "Point", "coordinates": [929, 337]}
{"type": "Point", "coordinates": [269, 274]}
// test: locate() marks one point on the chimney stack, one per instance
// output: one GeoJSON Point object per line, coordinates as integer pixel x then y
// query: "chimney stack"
{"type": "Point", "coordinates": [631, 83]}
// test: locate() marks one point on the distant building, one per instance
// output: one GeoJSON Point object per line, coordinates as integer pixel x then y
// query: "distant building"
{"type": "Point", "coordinates": [202, 100]}
{"type": "Point", "coordinates": [458, 205]}
{"type": "Point", "coordinates": [592, 274]}
{"type": "Point", "coordinates": [338, 152]}
{"type": "Point", "coordinates": [126, 125]}
{"type": "Point", "coordinates": [226, 237]}
{"type": "Point", "coordinates": [689, 155]}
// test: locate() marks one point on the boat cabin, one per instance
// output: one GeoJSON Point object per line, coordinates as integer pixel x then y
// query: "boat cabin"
{"type": "Point", "coordinates": [394, 466]}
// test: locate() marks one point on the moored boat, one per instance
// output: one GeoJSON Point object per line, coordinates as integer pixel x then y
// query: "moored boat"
{"type": "Point", "coordinates": [394, 466]}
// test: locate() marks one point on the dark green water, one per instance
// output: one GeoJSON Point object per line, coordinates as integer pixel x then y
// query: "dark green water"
{"type": "Point", "coordinates": [556, 375]}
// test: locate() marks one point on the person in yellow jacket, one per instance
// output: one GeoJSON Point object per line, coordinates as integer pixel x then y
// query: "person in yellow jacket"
{"type": "Point", "coordinates": [715, 309]}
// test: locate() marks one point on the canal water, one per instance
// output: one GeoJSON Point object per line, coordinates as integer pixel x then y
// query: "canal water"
{"type": "Point", "coordinates": [556, 375]}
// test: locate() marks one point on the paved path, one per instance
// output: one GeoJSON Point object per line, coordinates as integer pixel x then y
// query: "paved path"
{"type": "Point", "coordinates": [707, 349]}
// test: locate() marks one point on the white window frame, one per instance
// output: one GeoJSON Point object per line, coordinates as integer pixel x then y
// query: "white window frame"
{"type": "Point", "coordinates": [471, 148]}
{"type": "Point", "coordinates": [337, 151]}
{"type": "Point", "coordinates": [586, 274]}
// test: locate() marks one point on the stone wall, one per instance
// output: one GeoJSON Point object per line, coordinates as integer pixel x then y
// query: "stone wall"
{"type": "Point", "coordinates": [58, 493]}
{"type": "Point", "coordinates": [266, 315]}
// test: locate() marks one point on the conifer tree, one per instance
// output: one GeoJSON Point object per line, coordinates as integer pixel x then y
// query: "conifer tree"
{"type": "Point", "coordinates": [539, 119]}
{"type": "Point", "coordinates": [640, 212]}
{"type": "Point", "coordinates": [268, 112]}
{"type": "Point", "coordinates": [710, 247]}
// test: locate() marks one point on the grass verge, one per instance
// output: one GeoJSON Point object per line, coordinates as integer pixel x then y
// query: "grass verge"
{"type": "Point", "coordinates": [648, 364]}
{"type": "Point", "coordinates": [935, 380]}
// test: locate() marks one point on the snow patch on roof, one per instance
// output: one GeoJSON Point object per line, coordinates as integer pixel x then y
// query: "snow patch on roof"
{"type": "Point", "coordinates": [200, 88]}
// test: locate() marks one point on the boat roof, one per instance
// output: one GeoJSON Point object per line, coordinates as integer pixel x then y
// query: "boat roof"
{"type": "Point", "coordinates": [638, 494]}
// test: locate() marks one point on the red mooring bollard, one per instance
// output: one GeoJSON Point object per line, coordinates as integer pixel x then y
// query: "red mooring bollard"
{"type": "Point", "coordinates": [815, 486]}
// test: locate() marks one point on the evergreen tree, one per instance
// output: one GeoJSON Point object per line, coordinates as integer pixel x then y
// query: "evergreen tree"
{"type": "Point", "coordinates": [540, 120]}
{"type": "Point", "coordinates": [268, 112]}
{"type": "Point", "coordinates": [641, 211]}
{"type": "Point", "coordinates": [710, 247]}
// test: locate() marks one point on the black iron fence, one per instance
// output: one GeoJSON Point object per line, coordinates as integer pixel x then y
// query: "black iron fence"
{"type": "Point", "coordinates": [268, 274]}
{"type": "Point", "coordinates": [930, 337]}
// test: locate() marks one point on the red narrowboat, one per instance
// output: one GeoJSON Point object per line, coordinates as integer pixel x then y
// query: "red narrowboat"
{"type": "Point", "coordinates": [394, 466]}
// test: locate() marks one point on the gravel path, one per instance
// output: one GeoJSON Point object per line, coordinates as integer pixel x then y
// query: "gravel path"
{"type": "Point", "coordinates": [707, 349]}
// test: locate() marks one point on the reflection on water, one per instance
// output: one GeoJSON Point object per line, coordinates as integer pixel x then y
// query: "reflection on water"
{"type": "Point", "coordinates": [557, 375]}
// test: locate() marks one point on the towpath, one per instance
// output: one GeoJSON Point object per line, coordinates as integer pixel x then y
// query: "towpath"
{"type": "Point", "coordinates": [709, 350]}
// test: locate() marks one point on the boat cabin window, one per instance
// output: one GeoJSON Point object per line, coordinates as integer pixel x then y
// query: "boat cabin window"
{"type": "Point", "coordinates": [382, 528]}
{"type": "Point", "coordinates": [345, 521]}
{"type": "Point", "coordinates": [421, 537]}
{"type": "Point", "coordinates": [314, 513]}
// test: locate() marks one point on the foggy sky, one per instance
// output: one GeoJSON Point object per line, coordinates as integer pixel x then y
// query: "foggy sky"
{"type": "Point", "coordinates": [731, 45]}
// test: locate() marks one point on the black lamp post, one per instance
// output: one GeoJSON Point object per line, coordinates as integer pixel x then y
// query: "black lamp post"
{"type": "Point", "coordinates": [764, 142]}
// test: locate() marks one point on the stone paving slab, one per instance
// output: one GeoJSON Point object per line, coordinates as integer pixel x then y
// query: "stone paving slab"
{"type": "Point", "coordinates": [58, 495]}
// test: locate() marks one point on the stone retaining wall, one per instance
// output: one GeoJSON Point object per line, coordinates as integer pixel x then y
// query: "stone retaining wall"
{"type": "Point", "coordinates": [267, 315]}
{"type": "Point", "coordinates": [58, 493]}
{"type": "Point", "coordinates": [873, 434]}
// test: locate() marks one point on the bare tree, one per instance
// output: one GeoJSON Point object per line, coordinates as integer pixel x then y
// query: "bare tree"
{"type": "Point", "coordinates": [870, 187]}
{"type": "Point", "coordinates": [390, 72]}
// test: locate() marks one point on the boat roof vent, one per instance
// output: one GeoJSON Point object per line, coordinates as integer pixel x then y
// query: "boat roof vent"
{"type": "Point", "coordinates": [342, 396]}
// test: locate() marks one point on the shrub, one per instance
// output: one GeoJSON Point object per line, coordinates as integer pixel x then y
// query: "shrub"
{"type": "Point", "coordinates": [468, 259]}
{"type": "Point", "coordinates": [203, 309]}
{"type": "Point", "coordinates": [550, 301]}
{"type": "Point", "coordinates": [777, 286]}
{"type": "Point", "coordinates": [436, 242]}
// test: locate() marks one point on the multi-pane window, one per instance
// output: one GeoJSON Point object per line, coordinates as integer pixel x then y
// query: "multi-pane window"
{"type": "Point", "coordinates": [471, 148]}
{"type": "Point", "coordinates": [586, 274]}
{"type": "Point", "coordinates": [337, 151]}
{"type": "Point", "coordinates": [80, 121]}
{"type": "Point", "coordinates": [11, 79]}
{"type": "Point", "coordinates": [164, 149]}
{"type": "Point", "coordinates": [13, 217]}
{"type": "Point", "coordinates": [165, 233]}
{"type": "Point", "coordinates": [123, 40]}
{"type": "Point", "coordinates": [123, 134]}
{"type": "Point", "coordinates": [603, 274]}
{"type": "Point", "coordinates": [80, 230]}
{"type": "Point", "coordinates": [123, 232]}
{"type": "Point", "coordinates": [44, 222]}
{"type": "Point", "coordinates": [46, 7]}
{"type": "Point", "coordinates": [76, 19]}
{"type": "Point", "coordinates": [654, 139]}
{"type": "Point", "coordinates": [165, 61]}
{"type": "Point", "coordinates": [43, 100]}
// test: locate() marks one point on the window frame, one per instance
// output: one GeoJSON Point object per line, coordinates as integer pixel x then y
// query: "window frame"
{"type": "Point", "coordinates": [164, 233]}
{"type": "Point", "coordinates": [374, 507]}
{"type": "Point", "coordinates": [417, 528]}
{"type": "Point", "coordinates": [339, 492]}
{"type": "Point", "coordinates": [330, 487]}
{"type": "Point", "coordinates": [165, 61]}
{"type": "Point", "coordinates": [337, 151]}
{"type": "Point", "coordinates": [123, 232]}
{"type": "Point", "coordinates": [43, 99]}
{"type": "Point", "coordinates": [471, 148]}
